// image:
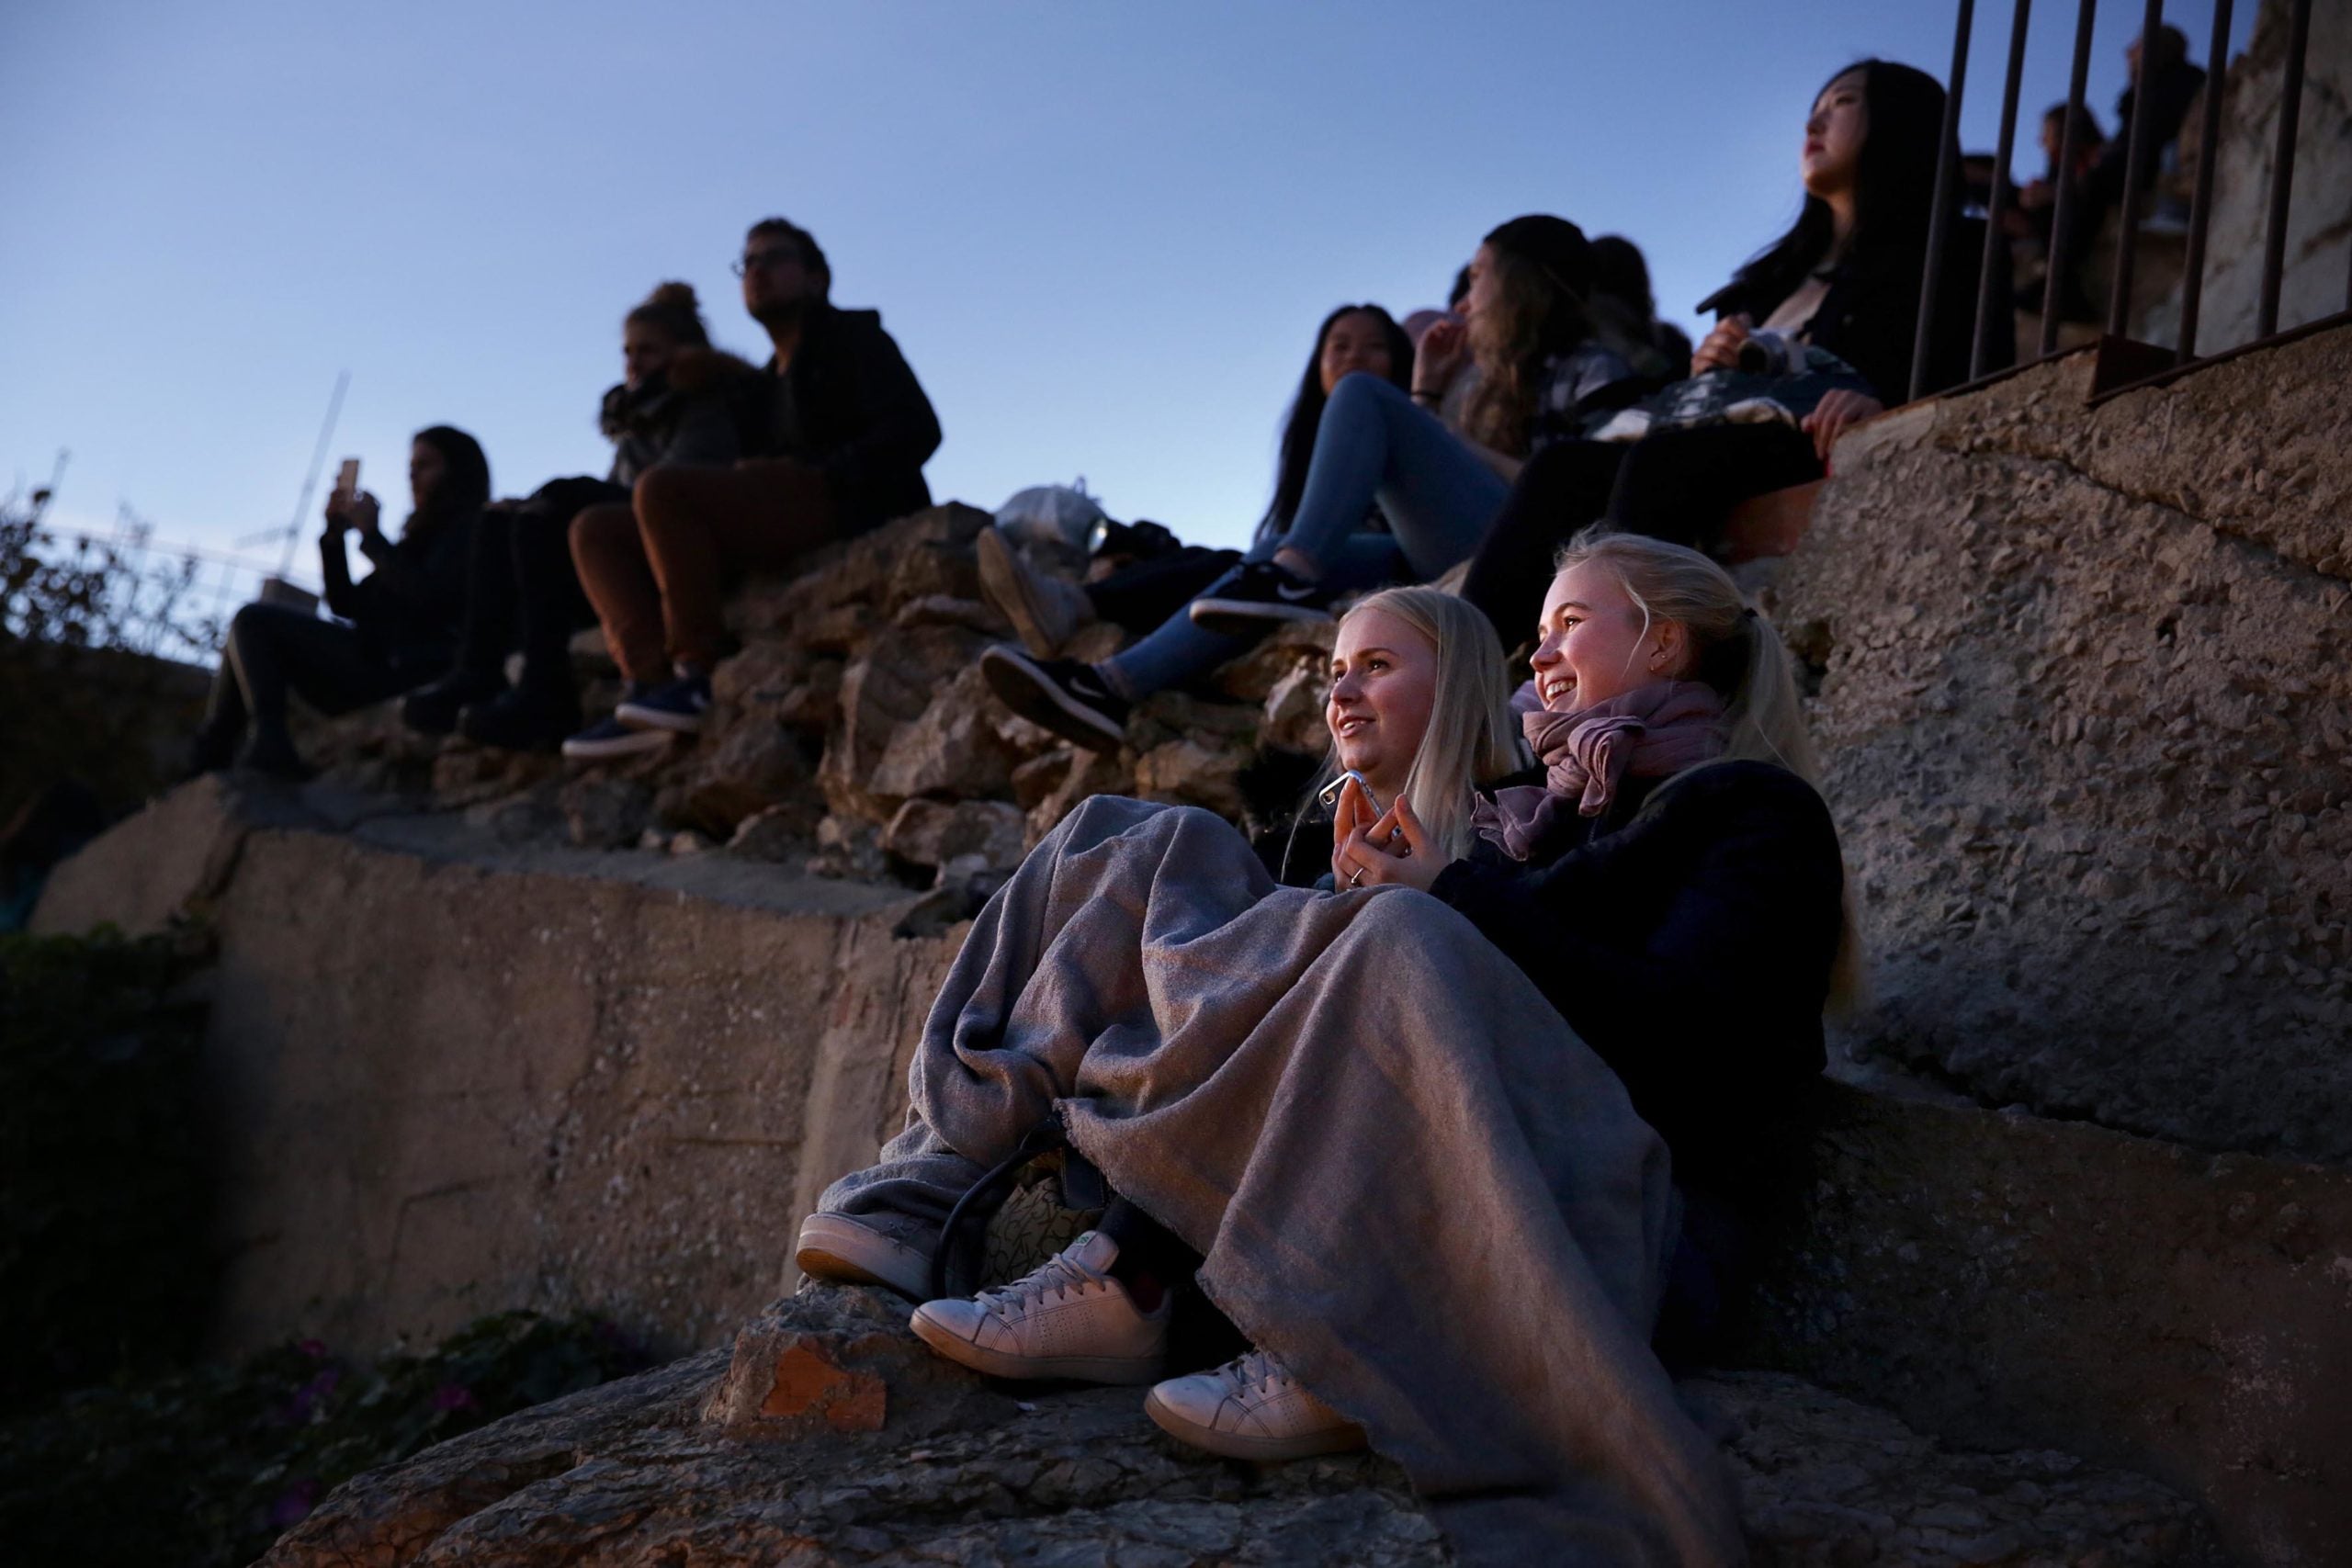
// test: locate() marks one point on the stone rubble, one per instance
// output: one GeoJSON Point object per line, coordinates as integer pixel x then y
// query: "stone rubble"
{"type": "Point", "coordinates": [852, 735]}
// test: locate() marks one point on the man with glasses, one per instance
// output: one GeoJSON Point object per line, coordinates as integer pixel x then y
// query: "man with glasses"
{"type": "Point", "coordinates": [839, 449]}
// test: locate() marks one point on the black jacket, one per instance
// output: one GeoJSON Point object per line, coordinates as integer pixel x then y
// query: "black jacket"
{"type": "Point", "coordinates": [408, 608]}
{"type": "Point", "coordinates": [849, 404]}
{"type": "Point", "coordinates": [1689, 941]}
{"type": "Point", "coordinates": [1870, 317]}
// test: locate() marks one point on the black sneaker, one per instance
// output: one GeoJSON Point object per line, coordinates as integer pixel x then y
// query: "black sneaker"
{"type": "Point", "coordinates": [678, 706]}
{"type": "Point", "coordinates": [1260, 594]}
{"type": "Point", "coordinates": [1063, 695]}
{"type": "Point", "coordinates": [520, 720]}
{"type": "Point", "coordinates": [433, 709]}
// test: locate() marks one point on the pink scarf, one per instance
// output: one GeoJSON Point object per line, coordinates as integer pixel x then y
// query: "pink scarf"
{"type": "Point", "coordinates": [1650, 732]}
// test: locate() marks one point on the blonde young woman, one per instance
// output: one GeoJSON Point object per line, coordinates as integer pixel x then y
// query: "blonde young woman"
{"type": "Point", "coordinates": [1418, 1168]}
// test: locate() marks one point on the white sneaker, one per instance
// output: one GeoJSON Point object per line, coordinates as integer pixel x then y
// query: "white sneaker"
{"type": "Point", "coordinates": [1044, 611]}
{"type": "Point", "coordinates": [1253, 1409]}
{"type": "Point", "coordinates": [837, 1247]}
{"type": "Point", "coordinates": [1067, 1318]}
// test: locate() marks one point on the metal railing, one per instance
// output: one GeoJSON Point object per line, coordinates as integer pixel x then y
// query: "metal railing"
{"type": "Point", "coordinates": [2142, 359]}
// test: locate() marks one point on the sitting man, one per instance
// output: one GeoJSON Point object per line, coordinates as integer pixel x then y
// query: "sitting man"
{"type": "Point", "coordinates": [842, 449]}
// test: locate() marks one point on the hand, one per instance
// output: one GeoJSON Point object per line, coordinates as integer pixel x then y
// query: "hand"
{"type": "Point", "coordinates": [1719, 350]}
{"type": "Point", "coordinates": [2037, 195]}
{"type": "Point", "coordinates": [1443, 352]}
{"type": "Point", "coordinates": [1837, 412]}
{"type": "Point", "coordinates": [1393, 852]}
{"type": "Point", "coordinates": [1352, 814]}
{"type": "Point", "coordinates": [362, 514]}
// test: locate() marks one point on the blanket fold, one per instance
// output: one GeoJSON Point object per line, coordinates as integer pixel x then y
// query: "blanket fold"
{"type": "Point", "coordinates": [1410, 1180]}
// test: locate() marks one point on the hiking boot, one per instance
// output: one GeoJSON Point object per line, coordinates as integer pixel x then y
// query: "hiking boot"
{"type": "Point", "coordinates": [677, 706]}
{"type": "Point", "coordinates": [849, 1252]}
{"type": "Point", "coordinates": [433, 708]}
{"type": "Point", "coordinates": [1259, 595]}
{"type": "Point", "coordinates": [1062, 694]}
{"type": "Point", "coordinates": [518, 719]}
{"type": "Point", "coordinates": [1067, 1318]}
{"type": "Point", "coordinates": [609, 737]}
{"type": "Point", "coordinates": [1044, 611]}
{"type": "Point", "coordinates": [1251, 1408]}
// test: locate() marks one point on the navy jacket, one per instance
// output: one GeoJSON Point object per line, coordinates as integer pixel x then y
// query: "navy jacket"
{"type": "Point", "coordinates": [1688, 941]}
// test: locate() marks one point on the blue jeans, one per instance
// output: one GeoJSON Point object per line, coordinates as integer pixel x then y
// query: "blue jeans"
{"type": "Point", "coordinates": [1373, 446]}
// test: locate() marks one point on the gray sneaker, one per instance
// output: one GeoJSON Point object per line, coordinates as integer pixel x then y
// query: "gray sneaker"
{"type": "Point", "coordinates": [1068, 1318]}
{"type": "Point", "coordinates": [848, 1251]}
{"type": "Point", "coordinates": [1046, 611]}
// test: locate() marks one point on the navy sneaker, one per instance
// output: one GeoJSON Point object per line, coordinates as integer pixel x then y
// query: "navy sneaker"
{"type": "Point", "coordinates": [1062, 694]}
{"type": "Point", "coordinates": [678, 706]}
{"type": "Point", "coordinates": [610, 738]}
{"type": "Point", "coordinates": [1260, 594]}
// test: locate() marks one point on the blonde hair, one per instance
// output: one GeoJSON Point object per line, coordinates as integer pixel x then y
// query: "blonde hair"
{"type": "Point", "coordinates": [1737, 652]}
{"type": "Point", "coordinates": [1469, 736]}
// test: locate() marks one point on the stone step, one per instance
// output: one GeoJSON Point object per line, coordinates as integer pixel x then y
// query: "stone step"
{"type": "Point", "coordinates": [828, 1434]}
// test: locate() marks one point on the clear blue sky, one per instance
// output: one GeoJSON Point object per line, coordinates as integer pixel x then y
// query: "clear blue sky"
{"type": "Point", "coordinates": [1102, 233]}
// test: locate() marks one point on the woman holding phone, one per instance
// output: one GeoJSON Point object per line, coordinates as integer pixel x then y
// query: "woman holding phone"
{"type": "Point", "coordinates": [1406, 1150]}
{"type": "Point", "coordinates": [394, 625]}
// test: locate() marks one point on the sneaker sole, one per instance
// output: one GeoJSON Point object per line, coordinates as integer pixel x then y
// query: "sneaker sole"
{"type": "Point", "coordinates": [1242, 1445]}
{"type": "Point", "coordinates": [1240, 616]}
{"type": "Point", "coordinates": [638, 718]}
{"type": "Point", "coordinates": [1002, 581]}
{"type": "Point", "coordinates": [1116, 1372]}
{"type": "Point", "coordinates": [627, 745]}
{"type": "Point", "coordinates": [834, 1247]}
{"type": "Point", "coordinates": [1031, 693]}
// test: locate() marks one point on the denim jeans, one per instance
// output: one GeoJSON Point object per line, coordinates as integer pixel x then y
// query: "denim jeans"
{"type": "Point", "coordinates": [1373, 446]}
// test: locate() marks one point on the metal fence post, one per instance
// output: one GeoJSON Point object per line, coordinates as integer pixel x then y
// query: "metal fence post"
{"type": "Point", "coordinates": [1940, 217]}
{"type": "Point", "coordinates": [1996, 209]}
{"type": "Point", "coordinates": [2200, 205]}
{"type": "Point", "coordinates": [2062, 247]}
{"type": "Point", "coordinates": [2282, 170]}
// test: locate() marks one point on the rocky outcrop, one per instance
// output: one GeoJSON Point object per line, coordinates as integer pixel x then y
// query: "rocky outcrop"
{"type": "Point", "coordinates": [2086, 713]}
{"type": "Point", "coordinates": [829, 1435]}
{"type": "Point", "coordinates": [853, 735]}
{"type": "Point", "coordinates": [2319, 215]}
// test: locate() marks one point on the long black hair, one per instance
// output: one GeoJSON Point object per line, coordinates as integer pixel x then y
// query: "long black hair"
{"type": "Point", "coordinates": [465, 488]}
{"type": "Point", "coordinates": [1895, 187]}
{"type": "Point", "coordinates": [1306, 413]}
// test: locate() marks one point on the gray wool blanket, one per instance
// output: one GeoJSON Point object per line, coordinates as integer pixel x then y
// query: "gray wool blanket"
{"type": "Point", "coordinates": [1409, 1178]}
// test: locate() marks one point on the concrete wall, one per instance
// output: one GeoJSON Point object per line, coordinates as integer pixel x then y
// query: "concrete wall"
{"type": "Point", "coordinates": [457, 1079]}
{"type": "Point", "coordinates": [2087, 713]}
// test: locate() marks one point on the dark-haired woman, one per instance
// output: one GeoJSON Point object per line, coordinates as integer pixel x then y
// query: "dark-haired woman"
{"type": "Point", "coordinates": [1046, 610]}
{"type": "Point", "coordinates": [680, 402]}
{"type": "Point", "coordinates": [397, 622]}
{"type": "Point", "coordinates": [1845, 278]}
{"type": "Point", "coordinates": [1541, 376]}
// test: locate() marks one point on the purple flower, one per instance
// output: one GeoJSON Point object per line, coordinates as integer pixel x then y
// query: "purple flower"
{"type": "Point", "coordinates": [294, 1503]}
{"type": "Point", "coordinates": [453, 1397]}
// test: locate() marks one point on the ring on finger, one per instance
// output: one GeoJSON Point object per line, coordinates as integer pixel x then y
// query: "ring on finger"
{"type": "Point", "coordinates": [1356, 876]}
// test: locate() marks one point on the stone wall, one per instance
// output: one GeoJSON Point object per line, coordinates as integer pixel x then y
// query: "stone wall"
{"type": "Point", "coordinates": [2319, 217]}
{"type": "Point", "coordinates": [2086, 714]}
{"type": "Point", "coordinates": [455, 1078]}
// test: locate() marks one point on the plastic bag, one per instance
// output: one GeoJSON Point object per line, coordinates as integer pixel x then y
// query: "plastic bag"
{"type": "Point", "coordinates": [1062, 514]}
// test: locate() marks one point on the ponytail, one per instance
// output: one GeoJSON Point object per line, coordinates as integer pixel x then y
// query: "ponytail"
{"type": "Point", "coordinates": [1742, 657]}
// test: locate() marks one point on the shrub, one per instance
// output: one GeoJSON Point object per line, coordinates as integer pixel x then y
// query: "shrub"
{"type": "Point", "coordinates": [102, 1187]}
{"type": "Point", "coordinates": [204, 1469]}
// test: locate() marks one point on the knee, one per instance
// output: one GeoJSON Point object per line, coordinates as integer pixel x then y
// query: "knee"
{"type": "Point", "coordinates": [1361, 395]}
{"type": "Point", "coordinates": [661, 493]}
{"type": "Point", "coordinates": [596, 530]}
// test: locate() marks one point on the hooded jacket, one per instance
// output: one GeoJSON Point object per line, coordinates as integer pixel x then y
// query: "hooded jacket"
{"type": "Point", "coordinates": [849, 405]}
